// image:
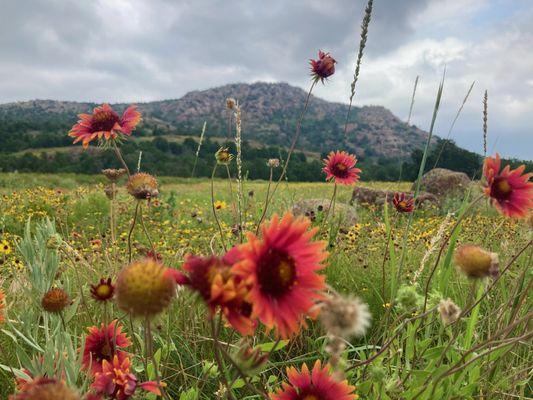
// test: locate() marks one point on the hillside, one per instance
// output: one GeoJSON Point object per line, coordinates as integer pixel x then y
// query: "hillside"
{"type": "Point", "coordinates": [270, 111]}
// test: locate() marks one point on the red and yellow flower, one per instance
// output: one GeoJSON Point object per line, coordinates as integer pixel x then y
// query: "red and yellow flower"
{"type": "Point", "coordinates": [213, 279]}
{"type": "Point", "coordinates": [281, 269]}
{"type": "Point", "coordinates": [402, 203]}
{"type": "Point", "coordinates": [323, 67]}
{"type": "Point", "coordinates": [105, 123]}
{"type": "Point", "coordinates": [340, 167]}
{"type": "Point", "coordinates": [103, 290]}
{"type": "Point", "coordinates": [510, 191]}
{"type": "Point", "coordinates": [103, 344]}
{"type": "Point", "coordinates": [117, 382]}
{"type": "Point", "coordinates": [318, 384]}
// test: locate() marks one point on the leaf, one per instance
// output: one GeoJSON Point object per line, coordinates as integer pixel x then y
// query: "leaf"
{"type": "Point", "coordinates": [267, 347]}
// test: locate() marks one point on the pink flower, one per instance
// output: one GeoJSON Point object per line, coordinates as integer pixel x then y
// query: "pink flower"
{"type": "Point", "coordinates": [323, 67]}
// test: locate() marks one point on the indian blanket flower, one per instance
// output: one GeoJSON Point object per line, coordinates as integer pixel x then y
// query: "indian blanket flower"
{"type": "Point", "coordinates": [340, 167]}
{"type": "Point", "coordinates": [281, 268]}
{"type": "Point", "coordinates": [213, 279]}
{"type": "Point", "coordinates": [103, 290]}
{"type": "Point", "coordinates": [510, 191]}
{"type": "Point", "coordinates": [323, 67]}
{"type": "Point", "coordinates": [55, 300]}
{"type": "Point", "coordinates": [117, 382]}
{"type": "Point", "coordinates": [318, 384]}
{"type": "Point", "coordinates": [105, 123]}
{"type": "Point", "coordinates": [402, 203]}
{"type": "Point", "coordinates": [44, 388]}
{"type": "Point", "coordinates": [145, 287]}
{"type": "Point", "coordinates": [103, 344]}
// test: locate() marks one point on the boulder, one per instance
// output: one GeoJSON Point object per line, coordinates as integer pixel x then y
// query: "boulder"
{"type": "Point", "coordinates": [317, 209]}
{"type": "Point", "coordinates": [365, 195]}
{"type": "Point", "coordinates": [444, 182]}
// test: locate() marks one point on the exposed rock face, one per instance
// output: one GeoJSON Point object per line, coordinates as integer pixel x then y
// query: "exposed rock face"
{"type": "Point", "coordinates": [443, 182]}
{"type": "Point", "coordinates": [377, 196]}
{"type": "Point", "coordinates": [318, 208]}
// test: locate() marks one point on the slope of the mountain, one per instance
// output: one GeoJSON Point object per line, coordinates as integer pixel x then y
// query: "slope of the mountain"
{"type": "Point", "coordinates": [269, 115]}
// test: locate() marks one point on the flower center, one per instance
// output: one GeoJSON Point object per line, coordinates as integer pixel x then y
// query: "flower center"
{"type": "Point", "coordinates": [501, 189]}
{"type": "Point", "coordinates": [276, 272]}
{"type": "Point", "coordinates": [340, 170]}
{"type": "Point", "coordinates": [104, 121]}
{"type": "Point", "coordinates": [103, 291]}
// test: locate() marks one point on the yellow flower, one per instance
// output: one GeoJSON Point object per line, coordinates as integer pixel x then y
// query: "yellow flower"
{"type": "Point", "coordinates": [219, 205]}
{"type": "Point", "coordinates": [5, 248]}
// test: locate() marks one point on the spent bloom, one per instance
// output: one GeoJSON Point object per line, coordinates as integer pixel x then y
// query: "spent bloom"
{"type": "Point", "coordinates": [476, 262]}
{"type": "Point", "coordinates": [55, 300]}
{"type": "Point", "coordinates": [273, 163]}
{"type": "Point", "coordinates": [105, 123]}
{"type": "Point", "coordinates": [103, 344]}
{"type": "Point", "coordinates": [510, 191]}
{"type": "Point", "coordinates": [142, 186]}
{"type": "Point", "coordinates": [340, 167]}
{"type": "Point", "coordinates": [112, 174]}
{"type": "Point", "coordinates": [282, 268]}
{"type": "Point", "coordinates": [323, 67]}
{"type": "Point", "coordinates": [145, 288]}
{"type": "Point", "coordinates": [223, 156]}
{"type": "Point", "coordinates": [449, 311]}
{"type": "Point", "coordinates": [402, 203]}
{"type": "Point", "coordinates": [318, 384]}
{"type": "Point", "coordinates": [117, 382]}
{"type": "Point", "coordinates": [344, 316]}
{"type": "Point", "coordinates": [43, 388]}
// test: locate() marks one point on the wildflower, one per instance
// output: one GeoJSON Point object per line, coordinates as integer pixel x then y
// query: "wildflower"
{"type": "Point", "coordinates": [223, 156]}
{"type": "Point", "coordinates": [475, 262]}
{"type": "Point", "coordinates": [318, 384]}
{"type": "Point", "coordinates": [273, 163]}
{"type": "Point", "coordinates": [340, 167]}
{"type": "Point", "coordinates": [112, 174]}
{"type": "Point", "coordinates": [509, 190]}
{"type": "Point", "coordinates": [219, 205]}
{"type": "Point", "coordinates": [105, 123]}
{"type": "Point", "coordinates": [103, 344]}
{"type": "Point", "coordinates": [5, 248]}
{"type": "Point", "coordinates": [281, 268]}
{"type": "Point", "coordinates": [145, 288]}
{"type": "Point", "coordinates": [103, 290]}
{"type": "Point", "coordinates": [449, 311]}
{"type": "Point", "coordinates": [55, 300]}
{"type": "Point", "coordinates": [213, 279]}
{"type": "Point", "coordinates": [344, 317]}
{"type": "Point", "coordinates": [43, 388]}
{"type": "Point", "coordinates": [323, 67]}
{"type": "Point", "coordinates": [117, 382]}
{"type": "Point", "coordinates": [403, 204]}
{"type": "Point", "coordinates": [96, 244]}
{"type": "Point", "coordinates": [142, 186]}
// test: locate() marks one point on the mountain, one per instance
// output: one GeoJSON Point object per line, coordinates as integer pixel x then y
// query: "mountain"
{"type": "Point", "coordinates": [269, 115]}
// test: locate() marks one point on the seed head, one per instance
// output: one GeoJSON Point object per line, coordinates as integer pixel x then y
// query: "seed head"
{"type": "Point", "coordinates": [273, 163]}
{"type": "Point", "coordinates": [55, 300]}
{"type": "Point", "coordinates": [449, 311]}
{"type": "Point", "coordinates": [113, 174]}
{"type": "Point", "coordinates": [45, 389]}
{"type": "Point", "coordinates": [230, 103]}
{"type": "Point", "coordinates": [344, 316]}
{"type": "Point", "coordinates": [223, 156]}
{"type": "Point", "coordinates": [142, 186]}
{"type": "Point", "coordinates": [110, 192]}
{"type": "Point", "coordinates": [145, 288]}
{"type": "Point", "coordinates": [475, 262]}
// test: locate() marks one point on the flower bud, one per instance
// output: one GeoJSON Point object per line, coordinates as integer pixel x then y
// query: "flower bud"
{"type": "Point", "coordinates": [251, 360]}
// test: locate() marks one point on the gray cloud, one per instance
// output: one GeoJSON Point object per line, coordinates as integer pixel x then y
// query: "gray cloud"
{"type": "Point", "coordinates": [139, 50]}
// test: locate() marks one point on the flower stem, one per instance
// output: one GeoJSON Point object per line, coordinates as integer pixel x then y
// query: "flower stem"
{"type": "Point", "coordinates": [131, 229]}
{"type": "Point", "coordinates": [223, 241]}
{"type": "Point", "coordinates": [120, 158]}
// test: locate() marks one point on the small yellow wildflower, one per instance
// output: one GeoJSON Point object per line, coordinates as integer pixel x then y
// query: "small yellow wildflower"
{"type": "Point", "coordinates": [219, 205]}
{"type": "Point", "coordinates": [5, 248]}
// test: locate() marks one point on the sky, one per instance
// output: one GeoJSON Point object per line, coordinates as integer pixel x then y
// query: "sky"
{"type": "Point", "coordinates": [143, 50]}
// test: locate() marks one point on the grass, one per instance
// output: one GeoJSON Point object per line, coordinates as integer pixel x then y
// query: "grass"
{"type": "Point", "coordinates": [181, 222]}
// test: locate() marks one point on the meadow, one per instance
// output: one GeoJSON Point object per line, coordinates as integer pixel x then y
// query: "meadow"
{"type": "Point", "coordinates": [477, 357]}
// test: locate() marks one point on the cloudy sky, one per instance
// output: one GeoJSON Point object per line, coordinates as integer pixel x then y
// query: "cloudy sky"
{"type": "Point", "coordinates": [141, 50]}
